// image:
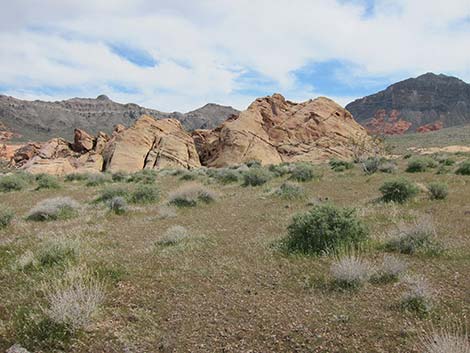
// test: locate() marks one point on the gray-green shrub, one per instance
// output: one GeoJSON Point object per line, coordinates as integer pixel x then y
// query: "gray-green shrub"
{"type": "Point", "coordinates": [420, 164]}
{"type": "Point", "coordinates": [398, 190]}
{"type": "Point", "coordinates": [289, 191]}
{"type": "Point", "coordinates": [438, 191]}
{"type": "Point", "coordinates": [46, 181]}
{"type": "Point", "coordinates": [190, 195]}
{"type": "Point", "coordinates": [256, 176]}
{"type": "Point", "coordinates": [12, 182]}
{"type": "Point", "coordinates": [6, 216]}
{"type": "Point", "coordinates": [339, 165]}
{"type": "Point", "coordinates": [118, 205]}
{"type": "Point", "coordinates": [463, 168]}
{"type": "Point", "coordinates": [145, 193]}
{"type": "Point", "coordinates": [53, 209]}
{"type": "Point", "coordinates": [325, 228]}
{"type": "Point", "coordinates": [302, 172]}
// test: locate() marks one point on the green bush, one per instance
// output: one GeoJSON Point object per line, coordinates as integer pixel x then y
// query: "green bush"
{"type": "Point", "coordinates": [464, 168]}
{"type": "Point", "coordinates": [146, 176]}
{"type": "Point", "coordinates": [57, 252]}
{"type": "Point", "coordinates": [280, 170]}
{"type": "Point", "coordinates": [46, 181]}
{"type": "Point", "coordinates": [325, 228]}
{"type": "Point", "coordinates": [290, 191]}
{"type": "Point", "coordinates": [118, 205]}
{"type": "Point", "coordinates": [340, 166]}
{"type": "Point", "coordinates": [53, 209]}
{"type": "Point", "coordinates": [370, 165]}
{"type": "Point", "coordinates": [190, 195]}
{"type": "Point", "coordinates": [253, 164]}
{"type": "Point", "coordinates": [76, 177]}
{"type": "Point", "coordinates": [12, 182]}
{"type": "Point", "coordinates": [226, 176]}
{"type": "Point", "coordinates": [302, 172]}
{"type": "Point", "coordinates": [256, 177]}
{"type": "Point", "coordinates": [6, 216]}
{"type": "Point", "coordinates": [438, 191]}
{"type": "Point", "coordinates": [111, 192]}
{"type": "Point", "coordinates": [96, 180]}
{"type": "Point", "coordinates": [420, 164]}
{"type": "Point", "coordinates": [145, 194]}
{"type": "Point", "coordinates": [118, 177]}
{"type": "Point", "coordinates": [399, 190]}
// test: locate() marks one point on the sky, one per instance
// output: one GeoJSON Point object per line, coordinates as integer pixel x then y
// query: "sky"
{"type": "Point", "coordinates": [177, 55]}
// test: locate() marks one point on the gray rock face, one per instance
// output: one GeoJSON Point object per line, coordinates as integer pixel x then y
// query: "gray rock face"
{"type": "Point", "coordinates": [428, 102]}
{"type": "Point", "coordinates": [40, 121]}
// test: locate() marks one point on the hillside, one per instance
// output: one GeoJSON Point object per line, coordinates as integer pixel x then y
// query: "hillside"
{"type": "Point", "coordinates": [40, 121]}
{"type": "Point", "coordinates": [426, 103]}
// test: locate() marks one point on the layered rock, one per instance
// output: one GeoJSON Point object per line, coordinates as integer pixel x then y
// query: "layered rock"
{"type": "Point", "coordinates": [273, 130]}
{"type": "Point", "coordinates": [151, 144]}
{"type": "Point", "coordinates": [427, 103]}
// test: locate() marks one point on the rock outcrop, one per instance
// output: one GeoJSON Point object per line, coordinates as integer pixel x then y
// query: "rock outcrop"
{"type": "Point", "coordinates": [151, 144]}
{"type": "Point", "coordinates": [427, 103]}
{"type": "Point", "coordinates": [273, 130]}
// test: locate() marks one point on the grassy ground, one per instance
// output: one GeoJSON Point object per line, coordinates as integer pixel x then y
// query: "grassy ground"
{"type": "Point", "coordinates": [228, 288]}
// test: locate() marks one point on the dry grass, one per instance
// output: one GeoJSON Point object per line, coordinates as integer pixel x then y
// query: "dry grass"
{"type": "Point", "coordinates": [447, 340]}
{"type": "Point", "coordinates": [74, 299]}
{"type": "Point", "coordinates": [351, 271]}
{"type": "Point", "coordinates": [233, 290]}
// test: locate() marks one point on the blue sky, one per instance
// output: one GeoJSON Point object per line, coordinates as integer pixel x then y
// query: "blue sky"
{"type": "Point", "coordinates": [179, 55]}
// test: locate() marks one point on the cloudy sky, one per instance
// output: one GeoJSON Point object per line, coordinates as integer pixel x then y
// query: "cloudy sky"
{"type": "Point", "coordinates": [180, 54]}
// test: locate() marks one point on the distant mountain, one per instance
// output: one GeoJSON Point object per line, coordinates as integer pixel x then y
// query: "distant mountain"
{"type": "Point", "coordinates": [426, 103]}
{"type": "Point", "coordinates": [40, 121]}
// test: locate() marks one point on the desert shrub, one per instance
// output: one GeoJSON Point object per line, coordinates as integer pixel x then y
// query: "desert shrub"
{"type": "Point", "coordinates": [463, 168]}
{"type": "Point", "coordinates": [6, 216]}
{"type": "Point", "coordinates": [173, 236]}
{"type": "Point", "coordinates": [26, 261]}
{"type": "Point", "coordinates": [12, 182]}
{"type": "Point", "coordinates": [325, 228]}
{"type": "Point", "coordinates": [444, 160]}
{"type": "Point", "coordinates": [46, 181]}
{"type": "Point", "coordinates": [350, 271]}
{"type": "Point", "coordinates": [256, 177]}
{"type": "Point", "coordinates": [145, 194]}
{"type": "Point", "coordinates": [419, 296]}
{"type": "Point", "coordinates": [371, 165]}
{"type": "Point", "coordinates": [414, 237]}
{"type": "Point", "coordinates": [226, 176]}
{"type": "Point", "coordinates": [96, 179]}
{"type": "Point", "coordinates": [387, 167]}
{"type": "Point", "coordinates": [56, 252]}
{"type": "Point", "coordinates": [438, 191]}
{"type": "Point", "coordinates": [118, 205]}
{"type": "Point", "coordinates": [289, 191]}
{"type": "Point", "coordinates": [76, 177]}
{"type": "Point", "coordinates": [398, 190]}
{"type": "Point", "coordinates": [407, 156]}
{"type": "Point", "coordinates": [420, 164]}
{"type": "Point", "coordinates": [35, 331]}
{"type": "Point", "coordinates": [109, 193]}
{"type": "Point", "coordinates": [53, 209]}
{"type": "Point", "coordinates": [188, 175]}
{"type": "Point", "coordinates": [448, 340]}
{"type": "Point", "coordinates": [253, 164]}
{"type": "Point", "coordinates": [190, 195]}
{"type": "Point", "coordinates": [340, 165]}
{"type": "Point", "coordinates": [390, 270]}
{"type": "Point", "coordinates": [118, 177]}
{"type": "Point", "coordinates": [146, 176]}
{"type": "Point", "coordinates": [280, 170]}
{"type": "Point", "coordinates": [73, 300]}
{"type": "Point", "coordinates": [302, 172]}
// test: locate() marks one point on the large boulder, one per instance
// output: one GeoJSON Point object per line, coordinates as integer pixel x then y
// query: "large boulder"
{"type": "Point", "coordinates": [150, 144]}
{"type": "Point", "coordinates": [273, 130]}
{"type": "Point", "coordinates": [83, 142]}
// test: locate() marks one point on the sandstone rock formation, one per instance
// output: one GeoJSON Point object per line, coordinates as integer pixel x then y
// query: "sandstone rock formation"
{"type": "Point", "coordinates": [273, 130]}
{"type": "Point", "coordinates": [151, 144]}
{"type": "Point", "coordinates": [426, 103]}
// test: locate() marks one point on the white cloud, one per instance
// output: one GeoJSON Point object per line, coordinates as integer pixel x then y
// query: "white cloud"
{"type": "Point", "coordinates": [204, 47]}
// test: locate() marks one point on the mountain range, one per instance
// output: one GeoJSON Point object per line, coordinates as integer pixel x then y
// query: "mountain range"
{"type": "Point", "coordinates": [426, 103]}
{"type": "Point", "coordinates": [40, 121]}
